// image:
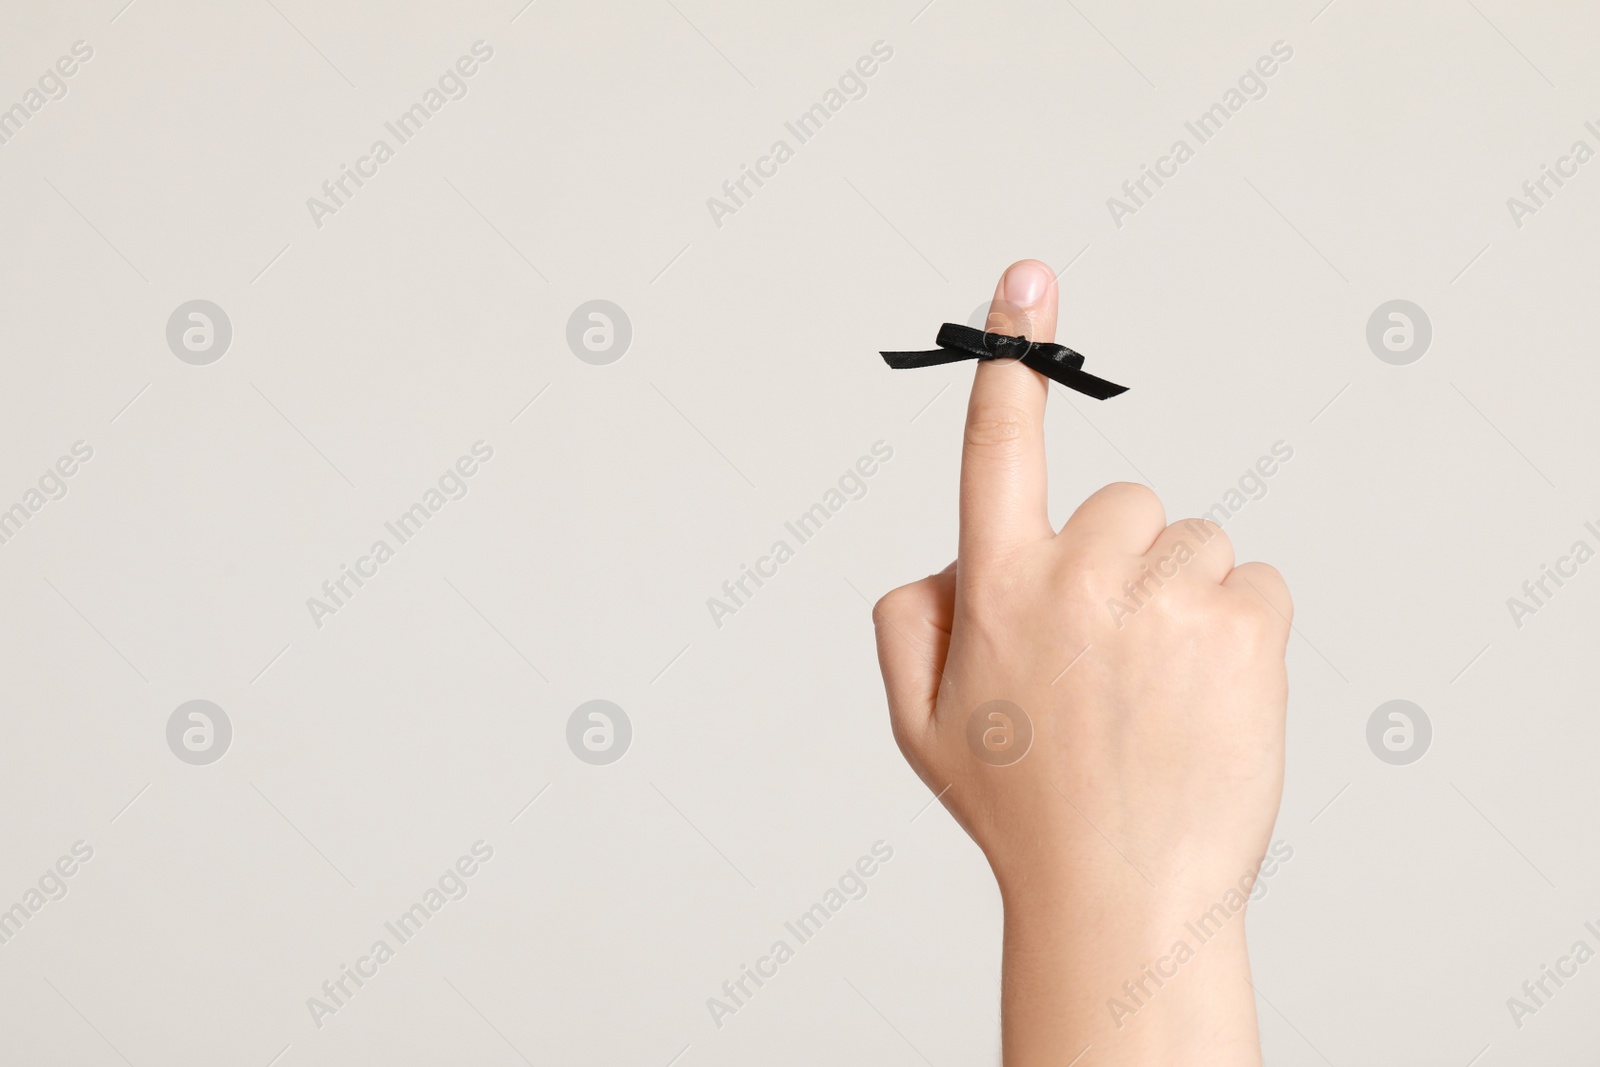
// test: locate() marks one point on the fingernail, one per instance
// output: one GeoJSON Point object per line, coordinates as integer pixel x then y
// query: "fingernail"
{"type": "Point", "coordinates": [1026, 283]}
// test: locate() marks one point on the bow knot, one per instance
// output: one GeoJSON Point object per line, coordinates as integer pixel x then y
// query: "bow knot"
{"type": "Point", "coordinates": [1056, 362]}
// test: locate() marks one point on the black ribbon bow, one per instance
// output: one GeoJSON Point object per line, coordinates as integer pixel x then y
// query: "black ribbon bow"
{"type": "Point", "coordinates": [1056, 362]}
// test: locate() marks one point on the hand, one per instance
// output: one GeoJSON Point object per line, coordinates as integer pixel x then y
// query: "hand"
{"type": "Point", "coordinates": [1149, 671]}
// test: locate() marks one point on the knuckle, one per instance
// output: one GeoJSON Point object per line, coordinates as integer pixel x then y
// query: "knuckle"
{"type": "Point", "coordinates": [997, 428]}
{"type": "Point", "coordinates": [1274, 585]}
{"type": "Point", "coordinates": [1081, 579]}
{"type": "Point", "coordinates": [893, 605]}
{"type": "Point", "coordinates": [1208, 533]}
{"type": "Point", "coordinates": [1132, 503]}
{"type": "Point", "coordinates": [1271, 591]}
{"type": "Point", "coordinates": [1133, 494]}
{"type": "Point", "coordinates": [1181, 606]}
{"type": "Point", "coordinates": [1270, 575]}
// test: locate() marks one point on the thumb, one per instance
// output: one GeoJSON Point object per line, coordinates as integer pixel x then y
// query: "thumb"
{"type": "Point", "coordinates": [913, 630]}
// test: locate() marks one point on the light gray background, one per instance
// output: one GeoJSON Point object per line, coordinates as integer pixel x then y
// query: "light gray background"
{"type": "Point", "coordinates": [370, 353]}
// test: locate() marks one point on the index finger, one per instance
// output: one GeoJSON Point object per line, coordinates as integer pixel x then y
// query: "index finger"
{"type": "Point", "coordinates": [1004, 488]}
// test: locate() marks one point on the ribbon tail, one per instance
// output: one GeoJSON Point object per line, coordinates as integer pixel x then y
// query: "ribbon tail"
{"type": "Point", "coordinates": [933, 358]}
{"type": "Point", "coordinates": [1076, 380]}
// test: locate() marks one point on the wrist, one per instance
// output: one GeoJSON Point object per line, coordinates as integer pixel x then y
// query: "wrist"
{"type": "Point", "coordinates": [1138, 975]}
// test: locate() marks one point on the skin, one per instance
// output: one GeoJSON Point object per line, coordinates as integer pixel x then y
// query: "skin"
{"type": "Point", "coordinates": [1153, 777]}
